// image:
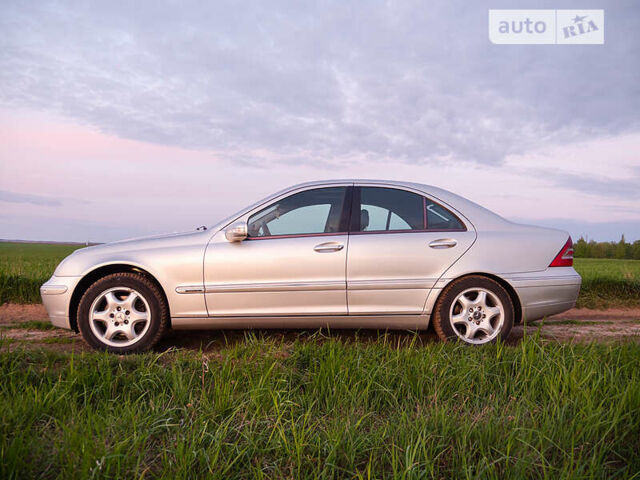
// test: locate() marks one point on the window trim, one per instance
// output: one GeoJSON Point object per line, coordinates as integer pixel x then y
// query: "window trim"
{"type": "Point", "coordinates": [296, 235]}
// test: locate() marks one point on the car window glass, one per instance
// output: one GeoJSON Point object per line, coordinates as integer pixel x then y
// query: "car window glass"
{"type": "Point", "coordinates": [387, 209]}
{"type": "Point", "coordinates": [439, 218]}
{"type": "Point", "coordinates": [309, 212]}
{"type": "Point", "coordinates": [396, 223]}
{"type": "Point", "coordinates": [377, 218]}
{"type": "Point", "coordinates": [310, 219]}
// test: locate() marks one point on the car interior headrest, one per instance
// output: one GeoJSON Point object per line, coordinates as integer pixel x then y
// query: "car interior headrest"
{"type": "Point", "coordinates": [364, 219]}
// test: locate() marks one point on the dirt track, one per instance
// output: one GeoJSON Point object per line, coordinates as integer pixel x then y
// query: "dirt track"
{"type": "Point", "coordinates": [19, 324]}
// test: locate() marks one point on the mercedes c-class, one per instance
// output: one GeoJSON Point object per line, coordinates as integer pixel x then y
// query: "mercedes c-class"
{"type": "Point", "coordinates": [338, 254]}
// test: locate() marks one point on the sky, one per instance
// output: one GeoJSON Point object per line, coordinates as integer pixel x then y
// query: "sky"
{"type": "Point", "coordinates": [122, 119]}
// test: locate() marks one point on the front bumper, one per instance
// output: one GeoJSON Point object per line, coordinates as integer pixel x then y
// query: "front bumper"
{"type": "Point", "coordinates": [546, 293]}
{"type": "Point", "coordinates": [56, 296]}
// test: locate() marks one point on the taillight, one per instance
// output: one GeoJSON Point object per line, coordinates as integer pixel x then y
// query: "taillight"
{"type": "Point", "coordinates": [565, 256]}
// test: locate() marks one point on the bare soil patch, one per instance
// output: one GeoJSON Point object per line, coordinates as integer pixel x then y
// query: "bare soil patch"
{"type": "Point", "coordinates": [576, 325]}
{"type": "Point", "coordinates": [585, 325]}
{"type": "Point", "coordinates": [16, 312]}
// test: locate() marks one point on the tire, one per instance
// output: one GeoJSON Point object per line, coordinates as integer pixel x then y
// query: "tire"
{"type": "Point", "coordinates": [463, 314]}
{"type": "Point", "coordinates": [123, 313]}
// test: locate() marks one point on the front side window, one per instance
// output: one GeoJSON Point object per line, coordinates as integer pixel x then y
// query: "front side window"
{"type": "Point", "coordinates": [314, 211]}
{"type": "Point", "coordinates": [388, 209]}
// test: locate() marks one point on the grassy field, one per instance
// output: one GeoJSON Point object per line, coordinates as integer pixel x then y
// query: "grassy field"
{"type": "Point", "coordinates": [608, 282]}
{"type": "Point", "coordinates": [24, 267]}
{"type": "Point", "coordinates": [322, 407]}
{"type": "Point", "coordinates": [317, 405]}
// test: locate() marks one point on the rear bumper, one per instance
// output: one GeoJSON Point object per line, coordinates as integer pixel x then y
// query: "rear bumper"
{"type": "Point", "coordinates": [56, 297]}
{"type": "Point", "coordinates": [552, 291]}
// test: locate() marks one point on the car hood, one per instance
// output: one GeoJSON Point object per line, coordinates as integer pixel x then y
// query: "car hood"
{"type": "Point", "coordinates": [78, 262]}
{"type": "Point", "coordinates": [164, 238]}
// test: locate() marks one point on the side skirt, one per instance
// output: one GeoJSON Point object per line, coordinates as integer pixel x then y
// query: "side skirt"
{"type": "Point", "coordinates": [378, 322]}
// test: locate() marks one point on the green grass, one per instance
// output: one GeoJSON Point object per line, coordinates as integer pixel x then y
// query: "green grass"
{"type": "Point", "coordinates": [569, 321]}
{"type": "Point", "coordinates": [24, 267]}
{"type": "Point", "coordinates": [30, 325]}
{"type": "Point", "coordinates": [608, 282]}
{"type": "Point", "coordinates": [324, 408]}
{"type": "Point", "coordinates": [55, 340]}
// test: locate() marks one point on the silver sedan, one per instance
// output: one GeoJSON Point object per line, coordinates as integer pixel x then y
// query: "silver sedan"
{"type": "Point", "coordinates": [339, 254]}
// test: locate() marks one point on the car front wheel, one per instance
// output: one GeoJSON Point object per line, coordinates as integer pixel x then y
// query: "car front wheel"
{"type": "Point", "coordinates": [122, 313]}
{"type": "Point", "coordinates": [475, 310]}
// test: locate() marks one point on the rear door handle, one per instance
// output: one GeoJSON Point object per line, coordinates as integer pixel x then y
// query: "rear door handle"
{"type": "Point", "coordinates": [328, 247]}
{"type": "Point", "coordinates": [443, 243]}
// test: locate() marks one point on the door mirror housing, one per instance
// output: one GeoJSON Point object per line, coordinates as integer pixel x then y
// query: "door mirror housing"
{"type": "Point", "coordinates": [237, 232]}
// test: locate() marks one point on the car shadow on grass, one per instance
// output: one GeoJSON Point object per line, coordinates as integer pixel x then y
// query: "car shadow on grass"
{"type": "Point", "coordinates": [217, 339]}
{"type": "Point", "coordinates": [33, 336]}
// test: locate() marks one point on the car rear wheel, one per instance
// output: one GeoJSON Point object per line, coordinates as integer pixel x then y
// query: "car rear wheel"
{"type": "Point", "coordinates": [123, 313]}
{"type": "Point", "coordinates": [475, 310]}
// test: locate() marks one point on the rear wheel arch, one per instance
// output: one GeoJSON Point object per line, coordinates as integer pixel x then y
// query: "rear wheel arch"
{"type": "Point", "coordinates": [100, 272]}
{"type": "Point", "coordinates": [517, 305]}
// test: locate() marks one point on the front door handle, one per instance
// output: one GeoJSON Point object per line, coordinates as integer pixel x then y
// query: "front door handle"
{"type": "Point", "coordinates": [328, 247]}
{"type": "Point", "coordinates": [443, 243]}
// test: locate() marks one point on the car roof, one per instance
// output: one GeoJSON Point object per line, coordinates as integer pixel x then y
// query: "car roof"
{"type": "Point", "coordinates": [477, 214]}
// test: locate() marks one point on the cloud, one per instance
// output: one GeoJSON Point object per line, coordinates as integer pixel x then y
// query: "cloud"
{"type": "Point", "coordinates": [308, 83]}
{"type": "Point", "coordinates": [621, 188]}
{"type": "Point", "coordinates": [609, 187]}
{"type": "Point", "coordinates": [12, 197]}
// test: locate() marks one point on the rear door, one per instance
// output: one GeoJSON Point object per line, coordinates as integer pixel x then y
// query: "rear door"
{"type": "Point", "coordinates": [400, 243]}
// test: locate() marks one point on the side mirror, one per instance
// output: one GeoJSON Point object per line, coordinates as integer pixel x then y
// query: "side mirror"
{"type": "Point", "coordinates": [236, 232]}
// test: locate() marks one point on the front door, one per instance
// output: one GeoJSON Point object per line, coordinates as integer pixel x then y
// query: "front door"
{"type": "Point", "coordinates": [292, 263]}
{"type": "Point", "coordinates": [400, 244]}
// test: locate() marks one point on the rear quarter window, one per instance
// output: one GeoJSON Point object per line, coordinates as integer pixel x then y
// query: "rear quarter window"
{"type": "Point", "coordinates": [439, 218]}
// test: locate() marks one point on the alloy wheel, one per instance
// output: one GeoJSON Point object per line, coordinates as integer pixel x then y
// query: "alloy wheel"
{"type": "Point", "coordinates": [477, 315]}
{"type": "Point", "coordinates": [120, 316]}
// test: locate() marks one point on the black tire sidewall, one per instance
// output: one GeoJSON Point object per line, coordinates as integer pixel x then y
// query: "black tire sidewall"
{"type": "Point", "coordinates": [444, 327]}
{"type": "Point", "coordinates": [127, 280]}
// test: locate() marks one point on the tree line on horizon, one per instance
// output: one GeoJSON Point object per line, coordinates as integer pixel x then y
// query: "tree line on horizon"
{"type": "Point", "coordinates": [619, 250]}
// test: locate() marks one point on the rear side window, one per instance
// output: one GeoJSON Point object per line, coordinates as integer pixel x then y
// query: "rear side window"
{"type": "Point", "coordinates": [387, 209]}
{"type": "Point", "coordinates": [439, 218]}
{"type": "Point", "coordinates": [380, 209]}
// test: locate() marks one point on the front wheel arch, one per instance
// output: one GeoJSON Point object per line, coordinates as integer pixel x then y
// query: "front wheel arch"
{"type": "Point", "coordinates": [94, 275]}
{"type": "Point", "coordinates": [515, 299]}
